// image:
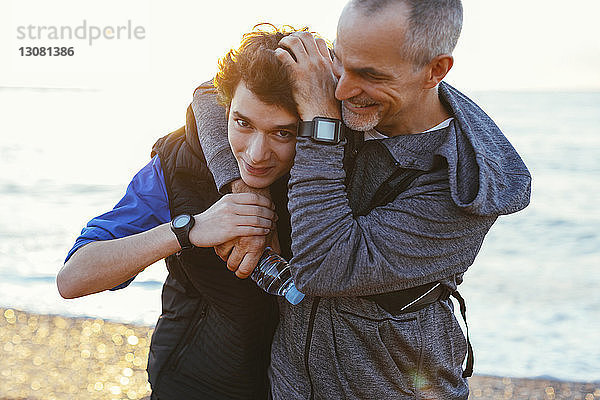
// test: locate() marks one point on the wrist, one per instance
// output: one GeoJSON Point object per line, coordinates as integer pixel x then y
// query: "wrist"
{"type": "Point", "coordinates": [322, 129]}
{"type": "Point", "coordinates": [239, 186]}
{"type": "Point", "coordinates": [165, 238]}
{"type": "Point", "coordinates": [308, 111]}
{"type": "Point", "coordinates": [310, 114]}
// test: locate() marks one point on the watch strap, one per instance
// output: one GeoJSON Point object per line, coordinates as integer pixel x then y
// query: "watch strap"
{"type": "Point", "coordinates": [306, 128]}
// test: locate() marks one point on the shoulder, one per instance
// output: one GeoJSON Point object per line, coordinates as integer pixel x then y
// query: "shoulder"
{"type": "Point", "coordinates": [178, 154]}
{"type": "Point", "coordinates": [168, 143]}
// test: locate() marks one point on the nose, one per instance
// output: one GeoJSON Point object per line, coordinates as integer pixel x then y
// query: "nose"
{"type": "Point", "coordinates": [347, 86]}
{"type": "Point", "coordinates": [257, 149]}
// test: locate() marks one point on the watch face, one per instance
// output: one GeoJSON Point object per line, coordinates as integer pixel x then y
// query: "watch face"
{"type": "Point", "coordinates": [181, 220]}
{"type": "Point", "coordinates": [325, 130]}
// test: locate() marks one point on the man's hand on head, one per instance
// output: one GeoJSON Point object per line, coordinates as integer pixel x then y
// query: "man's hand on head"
{"type": "Point", "coordinates": [312, 69]}
{"type": "Point", "coordinates": [242, 253]}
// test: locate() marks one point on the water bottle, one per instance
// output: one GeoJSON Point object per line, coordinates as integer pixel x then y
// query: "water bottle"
{"type": "Point", "coordinates": [273, 275]}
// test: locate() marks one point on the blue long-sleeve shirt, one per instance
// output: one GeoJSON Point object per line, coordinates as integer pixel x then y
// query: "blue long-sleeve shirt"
{"type": "Point", "coordinates": [144, 206]}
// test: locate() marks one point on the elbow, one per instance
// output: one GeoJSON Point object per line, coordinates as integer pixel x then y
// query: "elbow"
{"type": "Point", "coordinates": [64, 283]}
{"type": "Point", "coordinates": [313, 288]}
{"type": "Point", "coordinates": [311, 276]}
{"type": "Point", "coordinates": [308, 289]}
{"type": "Point", "coordinates": [311, 284]}
{"type": "Point", "coordinates": [323, 278]}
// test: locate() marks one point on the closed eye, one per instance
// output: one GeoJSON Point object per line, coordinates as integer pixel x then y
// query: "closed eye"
{"type": "Point", "coordinates": [373, 76]}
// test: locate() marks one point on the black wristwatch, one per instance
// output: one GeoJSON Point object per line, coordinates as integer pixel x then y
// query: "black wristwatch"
{"type": "Point", "coordinates": [321, 129]}
{"type": "Point", "coordinates": [181, 226]}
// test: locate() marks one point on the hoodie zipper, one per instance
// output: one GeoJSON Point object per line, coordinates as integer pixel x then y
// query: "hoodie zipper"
{"type": "Point", "coordinates": [309, 332]}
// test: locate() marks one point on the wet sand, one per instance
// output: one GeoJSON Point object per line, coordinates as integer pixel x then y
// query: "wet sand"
{"type": "Point", "coordinates": [46, 357]}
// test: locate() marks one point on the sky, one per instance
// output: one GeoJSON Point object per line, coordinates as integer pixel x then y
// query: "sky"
{"type": "Point", "coordinates": [508, 45]}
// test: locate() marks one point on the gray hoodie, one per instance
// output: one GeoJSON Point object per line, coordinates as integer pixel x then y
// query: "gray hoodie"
{"type": "Point", "coordinates": [336, 344]}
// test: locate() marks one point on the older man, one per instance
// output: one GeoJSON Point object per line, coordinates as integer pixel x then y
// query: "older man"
{"type": "Point", "coordinates": [385, 221]}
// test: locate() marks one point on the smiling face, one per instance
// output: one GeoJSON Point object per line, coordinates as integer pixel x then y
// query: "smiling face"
{"type": "Point", "coordinates": [262, 138]}
{"type": "Point", "coordinates": [378, 87]}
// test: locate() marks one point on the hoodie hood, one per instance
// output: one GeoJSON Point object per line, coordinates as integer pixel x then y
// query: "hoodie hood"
{"type": "Point", "coordinates": [487, 175]}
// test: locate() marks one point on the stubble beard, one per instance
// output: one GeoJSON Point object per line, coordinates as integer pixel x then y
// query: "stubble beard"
{"type": "Point", "coordinates": [360, 122]}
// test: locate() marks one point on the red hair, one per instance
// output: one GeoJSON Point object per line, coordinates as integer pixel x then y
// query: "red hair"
{"type": "Point", "coordinates": [255, 63]}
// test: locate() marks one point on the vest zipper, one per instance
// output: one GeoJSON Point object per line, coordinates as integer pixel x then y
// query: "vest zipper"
{"type": "Point", "coordinates": [189, 334]}
{"type": "Point", "coordinates": [178, 352]}
{"type": "Point", "coordinates": [309, 332]}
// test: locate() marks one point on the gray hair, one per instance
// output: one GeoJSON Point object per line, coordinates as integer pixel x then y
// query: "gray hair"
{"type": "Point", "coordinates": [433, 26]}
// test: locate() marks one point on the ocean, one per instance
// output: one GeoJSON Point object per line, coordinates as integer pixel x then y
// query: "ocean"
{"type": "Point", "coordinates": [533, 293]}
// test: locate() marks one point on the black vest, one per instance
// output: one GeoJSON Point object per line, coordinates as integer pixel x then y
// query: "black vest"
{"type": "Point", "coordinates": [213, 338]}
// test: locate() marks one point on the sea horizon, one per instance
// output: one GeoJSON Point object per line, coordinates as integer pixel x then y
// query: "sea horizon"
{"type": "Point", "coordinates": [67, 155]}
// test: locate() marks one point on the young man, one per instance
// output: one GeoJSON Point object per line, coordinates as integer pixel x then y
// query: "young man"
{"type": "Point", "coordinates": [384, 230]}
{"type": "Point", "coordinates": [214, 335]}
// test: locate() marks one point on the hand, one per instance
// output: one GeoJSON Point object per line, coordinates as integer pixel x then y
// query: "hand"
{"type": "Point", "coordinates": [314, 81]}
{"type": "Point", "coordinates": [243, 253]}
{"type": "Point", "coordinates": [234, 215]}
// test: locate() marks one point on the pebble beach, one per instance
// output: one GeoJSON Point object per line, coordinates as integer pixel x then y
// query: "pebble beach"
{"type": "Point", "coordinates": [51, 357]}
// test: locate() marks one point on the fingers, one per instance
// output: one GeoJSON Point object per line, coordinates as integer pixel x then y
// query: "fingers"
{"type": "Point", "coordinates": [301, 44]}
{"type": "Point", "coordinates": [245, 255]}
{"type": "Point", "coordinates": [254, 221]}
{"type": "Point", "coordinates": [233, 216]}
{"type": "Point", "coordinates": [247, 265]}
{"type": "Point", "coordinates": [294, 46]}
{"type": "Point", "coordinates": [250, 198]}
{"type": "Point", "coordinates": [275, 241]}
{"type": "Point", "coordinates": [314, 81]}
{"type": "Point", "coordinates": [223, 250]}
{"type": "Point", "coordinates": [248, 209]}
{"type": "Point", "coordinates": [259, 211]}
{"type": "Point", "coordinates": [323, 49]}
{"type": "Point", "coordinates": [284, 56]}
{"type": "Point", "coordinates": [242, 231]}
{"type": "Point", "coordinates": [235, 258]}
{"type": "Point", "coordinates": [253, 210]}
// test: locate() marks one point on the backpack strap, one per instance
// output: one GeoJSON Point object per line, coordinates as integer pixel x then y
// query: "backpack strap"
{"type": "Point", "coordinates": [468, 372]}
{"type": "Point", "coordinates": [398, 182]}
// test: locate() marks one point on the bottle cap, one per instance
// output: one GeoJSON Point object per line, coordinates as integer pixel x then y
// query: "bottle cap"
{"type": "Point", "coordinates": [293, 295]}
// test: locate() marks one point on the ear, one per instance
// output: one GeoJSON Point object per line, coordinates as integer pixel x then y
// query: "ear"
{"type": "Point", "coordinates": [437, 70]}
